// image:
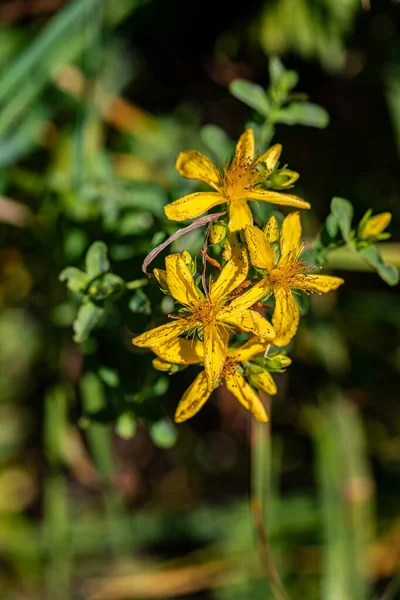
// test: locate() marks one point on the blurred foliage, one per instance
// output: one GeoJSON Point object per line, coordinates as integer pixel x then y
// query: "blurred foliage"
{"type": "Point", "coordinates": [101, 496]}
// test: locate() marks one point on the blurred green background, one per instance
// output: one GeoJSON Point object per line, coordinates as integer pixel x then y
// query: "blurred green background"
{"type": "Point", "coordinates": [102, 497]}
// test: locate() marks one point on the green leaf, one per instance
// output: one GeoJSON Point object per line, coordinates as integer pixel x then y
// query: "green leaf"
{"type": "Point", "coordinates": [373, 257]}
{"type": "Point", "coordinates": [139, 303]}
{"type": "Point", "coordinates": [88, 317]}
{"type": "Point", "coordinates": [163, 434]}
{"type": "Point", "coordinates": [217, 141]}
{"type": "Point", "coordinates": [126, 425]}
{"type": "Point", "coordinates": [135, 223]}
{"type": "Point", "coordinates": [106, 286]}
{"type": "Point", "coordinates": [76, 279]}
{"type": "Point", "coordinates": [96, 260]}
{"type": "Point", "coordinates": [251, 94]}
{"type": "Point", "coordinates": [303, 113]}
{"type": "Point", "coordinates": [109, 376]}
{"type": "Point", "coordinates": [343, 212]}
{"type": "Point", "coordinates": [276, 70]}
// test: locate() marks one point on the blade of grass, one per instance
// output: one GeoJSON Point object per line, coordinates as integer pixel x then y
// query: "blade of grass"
{"type": "Point", "coordinates": [346, 490]}
{"type": "Point", "coordinates": [58, 570]}
{"type": "Point", "coordinates": [61, 41]}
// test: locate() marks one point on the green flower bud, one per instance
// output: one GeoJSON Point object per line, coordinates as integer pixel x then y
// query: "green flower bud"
{"type": "Point", "coordinates": [283, 179]}
{"type": "Point", "coordinates": [218, 232]}
{"type": "Point", "coordinates": [278, 362]}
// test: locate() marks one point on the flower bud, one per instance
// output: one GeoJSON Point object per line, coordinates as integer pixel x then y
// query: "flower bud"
{"type": "Point", "coordinates": [161, 277]}
{"type": "Point", "coordinates": [189, 262]}
{"type": "Point", "coordinates": [283, 179]}
{"type": "Point", "coordinates": [271, 230]}
{"type": "Point", "coordinates": [218, 232]}
{"type": "Point", "coordinates": [261, 379]}
{"type": "Point", "coordinates": [374, 226]}
{"type": "Point", "coordinates": [277, 362]}
{"type": "Point", "coordinates": [166, 367]}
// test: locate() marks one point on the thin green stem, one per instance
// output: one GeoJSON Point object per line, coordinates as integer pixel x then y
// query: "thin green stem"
{"type": "Point", "coordinates": [260, 495]}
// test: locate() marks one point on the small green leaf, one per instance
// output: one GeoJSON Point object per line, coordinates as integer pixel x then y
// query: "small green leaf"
{"type": "Point", "coordinates": [332, 226]}
{"type": "Point", "coordinates": [96, 260]}
{"type": "Point", "coordinates": [109, 376]}
{"type": "Point", "coordinates": [251, 94]}
{"type": "Point", "coordinates": [163, 434]}
{"type": "Point", "coordinates": [88, 317]}
{"type": "Point", "coordinates": [106, 286]}
{"type": "Point", "coordinates": [126, 425]}
{"type": "Point", "coordinates": [139, 303]}
{"type": "Point", "coordinates": [343, 212]}
{"type": "Point", "coordinates": [373, 257]}
{"type": "Point", "coordinates": [276, 70]}
{"type": "Point", "coordinates": [76, 279]}
{"type": "Point", "coordinates": [303, 113]}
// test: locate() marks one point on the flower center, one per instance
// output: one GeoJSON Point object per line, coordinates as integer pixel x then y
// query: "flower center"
{"type": "Point", "coordinates": [285, 274]}
{"type": "Point", "coordinates": [229, 368]}
{"type": "Point", "coordinates": [205, 312]}
{"type": "Point", "coordinates": [240, 178]}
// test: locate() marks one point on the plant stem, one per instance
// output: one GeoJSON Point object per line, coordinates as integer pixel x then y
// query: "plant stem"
{"type": "Point", "coordinates": [260, 494]}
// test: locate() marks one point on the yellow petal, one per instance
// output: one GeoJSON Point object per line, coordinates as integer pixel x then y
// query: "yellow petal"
{"type": "Point", "coordinates": [251, 348]}
{"type": "Point", "coordinates": [215, 350]}
{"type": "Point", "coordinates": [375, 225]}
{"type": "Point", "coordinates": [286, 316]}
{"type": "Point", "coordinates": [193, 205]}
{"type": "Point", "coordinates": [261, 253]}
{"type": "Point", "coordinates": [244, 153]}
{"type": "Point", "coordinates": [247, 299]}
{"type": "Point", "coordinates": [164, 333]}
{"type": "Point", "coordinates": [263, 381]}
{"type": "Point", "coordinates": [181, 351]}
{"type": "Point", "coordinates": [193, 399]}
{"type": "Point", "coordinates": [194, 165]}
{"type": "Point", "coordinates": [231, 276]}
{"type": "Point", "coordinates": [180, 281]}
{"type": "Point", "coordinates": [277, 198]}
{"type": "Point", "coordinates": [271, 230]}
{"type": "Point", "coordinates": [249, 320]}
{"type": "Point", "coordinates": [243, 392]}
{"type": "Point", "coordinates": [240, 215]}
{"type": "Point", "coordinates": [317, 283]}
{"type": "Point", "coordinates": [271, 156]}
{"type": "Point", "coordinates": [290, 237]}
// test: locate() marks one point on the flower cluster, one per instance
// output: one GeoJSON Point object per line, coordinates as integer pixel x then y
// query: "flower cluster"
{"type": "Point", "coordinates": [259, 265]}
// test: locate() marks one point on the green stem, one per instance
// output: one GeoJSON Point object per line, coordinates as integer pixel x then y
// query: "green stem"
{"type": "Point", "coordinates": [260, 496]}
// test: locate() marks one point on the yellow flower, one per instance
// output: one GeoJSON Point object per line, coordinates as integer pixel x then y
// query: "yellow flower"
{"type": "Point", "coordinates": [286, 274]}
{"type": "Point", "coordinates": [183, 352]}
{"type": "Point", "coordinates": [375, 225]}
{"type": "Point", "coordinates": [213, 315]}
{"type": "Point", "coordinates": [234, 184]}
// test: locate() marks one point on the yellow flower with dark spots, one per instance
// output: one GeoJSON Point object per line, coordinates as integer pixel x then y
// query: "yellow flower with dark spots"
{"type": "Point", "coordinates": [234, 184]}
{"type": "Point", "coordinates": [184, 352]}
{"type": "Point", "coordinates": [286, 273]}
{"type": "Point", "coordinates": [212, 315]}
